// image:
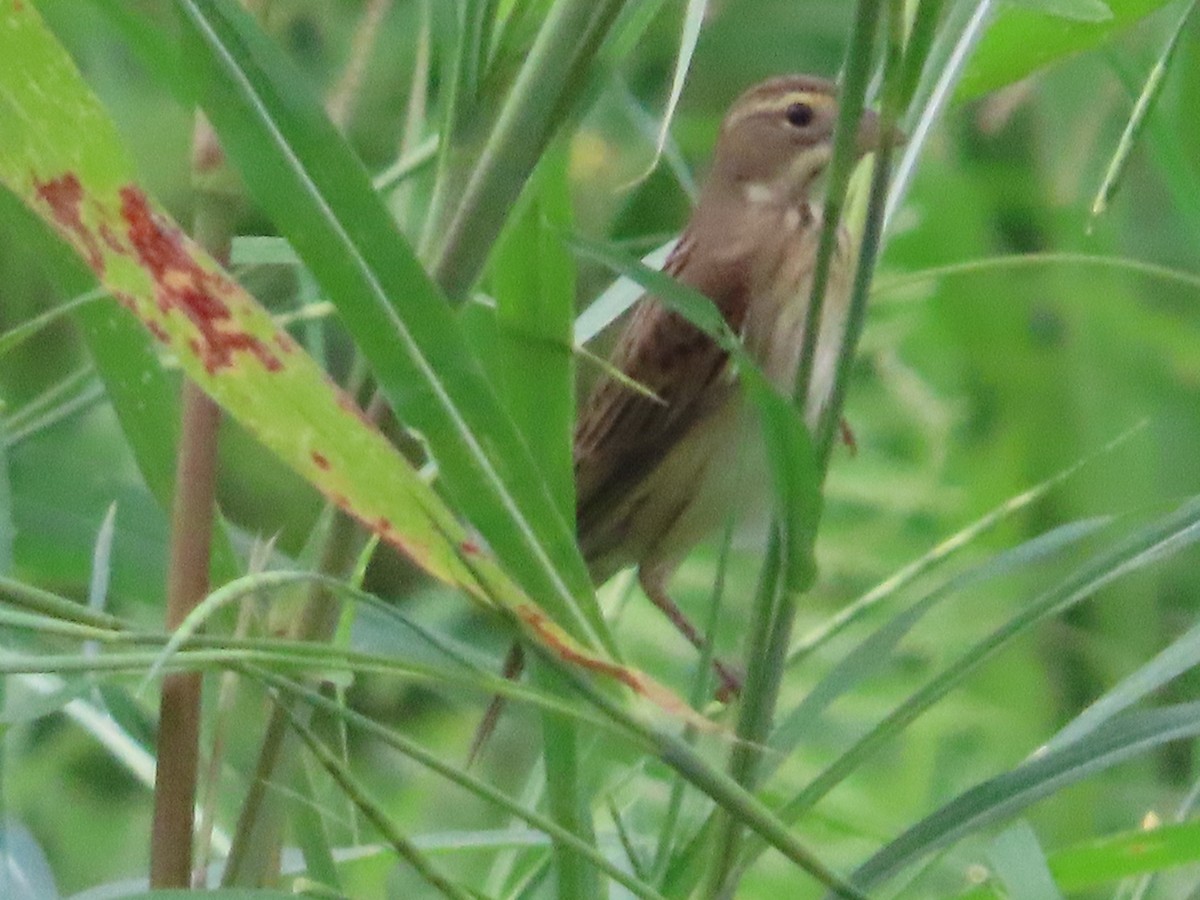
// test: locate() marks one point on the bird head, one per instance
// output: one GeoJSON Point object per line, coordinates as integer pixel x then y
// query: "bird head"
{"type": "Point", "coordinates": [777, 138]}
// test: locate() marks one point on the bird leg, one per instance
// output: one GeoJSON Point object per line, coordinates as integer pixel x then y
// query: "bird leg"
{"type": "Point", "coordinates": [847, 436]}
{"type": "Point", "coordinates": [514, 664]}
{"type": "Point", "coordinates": [652, 583]}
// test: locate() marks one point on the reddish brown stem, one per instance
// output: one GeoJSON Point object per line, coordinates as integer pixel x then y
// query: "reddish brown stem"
{"type": "Point", "coordinates": [179, 707]}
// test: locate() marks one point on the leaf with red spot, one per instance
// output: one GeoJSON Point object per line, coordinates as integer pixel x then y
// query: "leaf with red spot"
{"type": "Point", "coordinates": [306, 178]}
{"type": "Point", "coordinates": [83, 187]}
{"type": "Point", "coordinates": [222, 338]}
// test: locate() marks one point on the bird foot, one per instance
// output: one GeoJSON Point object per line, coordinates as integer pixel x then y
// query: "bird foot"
{"type": "Point", "coordinates": [847, 436]}
{"type": "Point", "coordinates": [732, 678]}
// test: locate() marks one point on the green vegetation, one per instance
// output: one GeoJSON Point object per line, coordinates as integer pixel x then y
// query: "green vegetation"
{"type": "Point", "coordinates": [985, 691]}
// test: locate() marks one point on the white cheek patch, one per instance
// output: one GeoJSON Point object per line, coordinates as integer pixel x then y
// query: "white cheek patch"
{"type": "Point", "coordinates": [757, 193]}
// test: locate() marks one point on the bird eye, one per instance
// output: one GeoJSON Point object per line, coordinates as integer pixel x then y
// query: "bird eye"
{"type": "Point", "coordinates": [799, 114]}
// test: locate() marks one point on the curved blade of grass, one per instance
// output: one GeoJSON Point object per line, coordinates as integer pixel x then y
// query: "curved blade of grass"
{"type": "Point", "coordinates": [17, 335]}
{"type": "Point", "coordinates": [266, 583]}
{"type": "Point", "coordinates": [46, 603]}
{"type": "Point", "coordinates": [890, 586]}
{"type": "Point", "coordinates": [617, 297]}
{"type": "Point", "coordinates": [1181, 655]}
{"type": "Point", "coordinates": [693, 20]}
{"type": "Point", "coordinates": [307, 179]}
{"type": "Point", "coordinates": [1126, 737]}
{"type": "Point", "coordinates": [47, 614]}
{"type": "Point", "coordinates": [457, 776]}
{"type": "Point", "coordinates": [993, 264]}
{"type": "Point", "coordinates": [60, 154]}
{"type": "Point", "coordinates": [648, 126]}
{"type": "Point", "coordinates": [361, 799]}
{"type": "Point", "coordinates": [1019, 862]}
{"type": "Point", "coordinates": [874, 653]}
{"type": "Point", "coordinates": [1137, 119]}
{"type": "Point", "coordinates": [1149, 544]}
{"type": "Point", "coordinates": [298, 659]}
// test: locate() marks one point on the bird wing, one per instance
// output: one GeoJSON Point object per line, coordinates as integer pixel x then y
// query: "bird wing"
{"type": "Point", "coordinates": [623, 435]}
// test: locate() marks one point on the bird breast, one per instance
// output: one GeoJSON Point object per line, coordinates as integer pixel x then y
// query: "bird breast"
{"type": "Point", "coordinates": [718, 467]}
{"type": "Point", "coordinates": [782, 285]}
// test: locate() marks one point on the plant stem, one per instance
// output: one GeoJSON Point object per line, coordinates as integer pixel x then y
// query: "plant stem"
{"type": "Point", "coordinates": [192, 520]}
{"type": "Point", "coordinates": [542, 92]}
{"type": "Point", "coordinates": [179, 704]}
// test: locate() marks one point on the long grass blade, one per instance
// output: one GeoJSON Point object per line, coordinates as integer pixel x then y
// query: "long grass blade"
{"type": "Point", "coordinates": [1137, 118]}
{"type": "Point", "coordinates": [1126, 737]}
{"type": "Point", "coordinates": [358, 794]}
{"type": "Point", "coordinates": [1146, 546]}
{"type": "Point", "coordinates": [309, 182]}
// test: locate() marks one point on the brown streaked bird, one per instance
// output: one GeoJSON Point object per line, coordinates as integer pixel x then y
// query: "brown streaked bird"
{"type": "Point", "coordinates": [654, 479]}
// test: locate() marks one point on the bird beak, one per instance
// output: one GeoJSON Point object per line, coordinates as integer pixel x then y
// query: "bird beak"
{"type": "Point", "coordinates": [870, 134]}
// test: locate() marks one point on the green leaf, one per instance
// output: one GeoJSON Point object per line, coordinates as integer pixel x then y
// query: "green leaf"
{"type": "Point", "coordinates": [215, 893]}
{"type": "Point", "coordinates": [1146, 546]}
{"type": "Point", "coordinates": [61, 156]}
{"type": "Point", "coordinates": [14, 337]}
{"type": "Point", "coordinates": [1137, 118]}
{"type": "Point", "coordinates": [1076, 10]}
{"type": "Point", "coordinates": [311, 185]}
{"type": "Point", "coordinates": [1020, 864]}
{"type": "Point", "coordinates": [7, 527]}
{"type": "Point", "coordinates": [1181, 655]}
{"type": "Point", "coordinates": [223, 339]}
{"type": "Point", "coordinates": [876, 650]}
{"type": "Point", "coordinates": [1022, 40]}
{"type": "Point", "coordinates": [1116, 856]}
{"type": "Point", "coordinates": [693, 21]}
{"type": "Point", "coordinates": [533, 279]}
{"type": "Point", "coordinates": [998, 798]}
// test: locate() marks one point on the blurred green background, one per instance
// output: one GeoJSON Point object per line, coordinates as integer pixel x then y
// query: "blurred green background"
{"type": "Point", "coordinates": [970, 388]}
